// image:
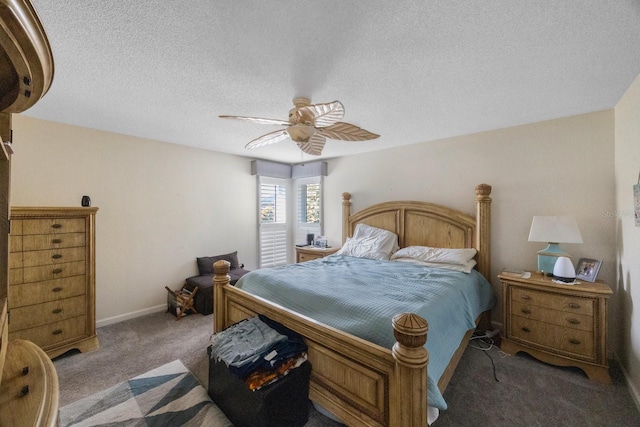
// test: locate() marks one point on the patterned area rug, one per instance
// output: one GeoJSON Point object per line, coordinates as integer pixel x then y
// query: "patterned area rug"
{"type": "Point", "coordinates": [166, 396]}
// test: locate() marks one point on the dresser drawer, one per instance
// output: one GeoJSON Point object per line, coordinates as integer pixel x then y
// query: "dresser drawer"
{"type": "Point", "coordinates": [46, 313]}
{"type": "Point", "coordinates": [49, 290]}
{"type": "Point", "coordinates": [36, 242]}
{"type": "Point", "coordinates": [52, 256]}
{"type": "Point", "coordinates": [15, 260]}
{"type": "Point", "coordinates": [50, 272]}
{"type": "Point", "coordinates": [557, 338]}
{"type": "Point", "coordinates": [53, 225]}
{"type": "Point", "coordinates": [553, 301]}
{"type": "Point", "coordinates": [15, 243]}
{"type": "Point", "coordinates": [54, 333]}
{"type": "Point", "coordinates": [555, 317]}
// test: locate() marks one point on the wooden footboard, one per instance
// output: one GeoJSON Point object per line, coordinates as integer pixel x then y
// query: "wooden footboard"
{"type": "Point", "coordinates": [360, 382]}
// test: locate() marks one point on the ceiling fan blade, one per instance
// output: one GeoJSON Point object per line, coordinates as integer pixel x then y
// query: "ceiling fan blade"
{"type": "Point", "coordinates": [258, 120]}
{"type": "Point", "coordinates": [269, 138]}
{"type": "Point", "coordinates": [346, 132]}
{"type": "Point", "coordinates": [314, 146]}
{"type": "Point", "coordinates": [324, 114]}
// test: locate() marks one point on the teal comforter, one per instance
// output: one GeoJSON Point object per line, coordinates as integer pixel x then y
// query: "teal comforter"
{"type": "Point", "coordinates": [360, 296]}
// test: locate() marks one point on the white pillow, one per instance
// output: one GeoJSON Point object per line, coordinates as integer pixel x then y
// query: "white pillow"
{"type": "Point", "coordinates": [438, 255]}
{"type": "Point", "coordinates": [465, 268]}
{"type": "Point", "coordinates": [364, 247]}
{"type": "Point", "coordinates": [388, 240]}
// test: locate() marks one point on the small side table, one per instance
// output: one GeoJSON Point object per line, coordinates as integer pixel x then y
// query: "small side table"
{"type": "Point", "coordinates": [559, 324]}
{"type": "Point", "coordinates": [307, 253]}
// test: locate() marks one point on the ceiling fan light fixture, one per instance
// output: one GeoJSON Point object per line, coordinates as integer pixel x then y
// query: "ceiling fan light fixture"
{"type": "Point", "coordinates": [301, 133]}
{"type": "Point", "coordinates": [309, 125]}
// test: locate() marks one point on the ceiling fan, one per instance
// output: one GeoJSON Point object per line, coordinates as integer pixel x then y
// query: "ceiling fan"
{"type": "Point", "coordinates": [309, 125]}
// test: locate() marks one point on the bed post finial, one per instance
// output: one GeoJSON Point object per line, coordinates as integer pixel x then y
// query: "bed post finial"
{"type": "Point", "coordinates": [410, 331]}
{"type": "Point", "coordinates": [220, 278]}
{"type": "Point", "coordinates": [483, 229]}
{"type": "Point", "coordinates": [346, 212]}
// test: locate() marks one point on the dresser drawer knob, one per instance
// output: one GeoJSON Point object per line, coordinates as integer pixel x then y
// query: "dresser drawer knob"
{"type": "Point", "coordinates": [57, 311]}
{"type": "Point", "coordinates": [525, 329]}
{"type": "Point", "coordinates": [58, 289]}
{"type": "Point", "coordinates": [57, 271]}
{"type": "Point", "coordinates": [57, 226]}
{"type": "Point", "coordinates": [56, 256]}
{"type": "Point", "coordinates": [526, 311]}
{"type": "Point", "coordinates": [574, 341]}
{"type": "Point", "coordinates": [573, 321]}
{"type": "Point", "coordinates": [25, 371]}
{"type": "Point", "coordinates": [56, 241]}
{"type": "Point", "coordinates": [574, 305]}
{"type": "Point", "coordinates": [56, 332]}
{"type": "Point", "coordinates": [25, 390]}
{"type": "Point", "coordinates": [526, 297]}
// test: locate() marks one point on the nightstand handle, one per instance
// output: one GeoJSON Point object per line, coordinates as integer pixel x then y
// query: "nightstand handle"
{"type": "Point", "coordinates": [526, 297]}
{"type": "Point", "coordinates": [574, 305]}
{"type": "Point", "coordinates": [525, 329]}
{"type": "Point", "coordinates": [573, 321]}
{"type": "Point", "coordinates": [526, 311]}
{"type": "Point", "coordinates": [574, 341]}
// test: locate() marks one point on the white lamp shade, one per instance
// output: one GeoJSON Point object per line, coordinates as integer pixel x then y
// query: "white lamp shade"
{"type": "Point", "coordinates": [556, 229]}
{"type": "Point", "coordinates": [564, 270]}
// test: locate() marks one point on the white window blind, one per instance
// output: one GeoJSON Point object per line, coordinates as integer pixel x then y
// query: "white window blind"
{"type": "Point", "coordinates": [308, 208]}
{"type": "Point", "coordinates": [272, 222]}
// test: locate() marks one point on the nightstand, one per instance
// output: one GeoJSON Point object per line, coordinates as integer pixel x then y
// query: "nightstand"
{"type": "Point", "coordinates": [562, 325]}
{"type": "Point", "coordinates": [307, 253]}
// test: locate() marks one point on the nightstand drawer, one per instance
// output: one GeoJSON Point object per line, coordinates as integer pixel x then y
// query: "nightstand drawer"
{"type": "Point", "coordinates": [555, 317]}
{"type": "Point", "coordinates": [556, 338]}
{"type": "Point", "coordinates": [303, 256]}
{"type": "Point", "coordinates": [553, 301]}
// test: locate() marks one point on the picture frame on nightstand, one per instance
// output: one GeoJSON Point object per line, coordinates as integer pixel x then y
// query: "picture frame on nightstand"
{"type": "Point", "coordinates": [587, 269]}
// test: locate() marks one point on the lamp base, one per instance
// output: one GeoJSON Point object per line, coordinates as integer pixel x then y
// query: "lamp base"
{"type": "Point", "coordinates": [548, 256]}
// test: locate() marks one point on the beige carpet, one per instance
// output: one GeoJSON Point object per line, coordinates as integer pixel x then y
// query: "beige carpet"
{"type": "Point", "coordinates": [527, 392]}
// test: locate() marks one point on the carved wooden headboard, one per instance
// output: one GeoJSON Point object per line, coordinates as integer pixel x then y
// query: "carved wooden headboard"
{"type": "Point", "coordinates": [429, 224]}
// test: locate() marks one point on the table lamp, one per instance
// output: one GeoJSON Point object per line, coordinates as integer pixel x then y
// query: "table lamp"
{"type": "Point", "coordinates": [553, 230]}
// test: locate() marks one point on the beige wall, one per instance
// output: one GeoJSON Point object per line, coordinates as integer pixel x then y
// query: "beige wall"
{"type": "Point", "coordinates": [557, 167]}
{"type": "Point", "coordinates": [627, 161]}
{"type": "Point", "coordinates": [160, 206]}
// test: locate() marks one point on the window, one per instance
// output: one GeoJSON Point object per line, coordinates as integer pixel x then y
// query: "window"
{"type": "Point", "coordinates": [272, 222]}
{"type": "Point", "coordinates": [308, 208]}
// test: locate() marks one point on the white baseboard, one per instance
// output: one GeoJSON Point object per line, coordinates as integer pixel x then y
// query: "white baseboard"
{"type": "Point", "coordinates": [132, 315]}
{"type": "Point", "coordinates": [633, 390]}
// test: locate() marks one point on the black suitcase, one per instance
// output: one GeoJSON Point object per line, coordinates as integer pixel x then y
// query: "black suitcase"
{"type": "Point", "coordinates": [284, 403]}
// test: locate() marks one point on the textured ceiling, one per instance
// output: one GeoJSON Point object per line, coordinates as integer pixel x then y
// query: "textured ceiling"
{"type": "Point", "coordinates": [411, 71]}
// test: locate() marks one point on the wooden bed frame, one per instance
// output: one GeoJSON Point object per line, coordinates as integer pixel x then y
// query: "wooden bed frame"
{"type": "Point", "coordinates": [358, 381]}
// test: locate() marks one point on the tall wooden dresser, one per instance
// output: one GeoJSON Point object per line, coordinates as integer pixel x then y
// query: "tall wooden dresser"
{"type": "Point", "coordinates": [29, 383]}
{"type": "Point", "coordinates": [52, 277]}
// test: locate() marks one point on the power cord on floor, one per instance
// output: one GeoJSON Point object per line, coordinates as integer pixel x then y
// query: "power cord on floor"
{"type": "Point", "coordinates": [483, 340]}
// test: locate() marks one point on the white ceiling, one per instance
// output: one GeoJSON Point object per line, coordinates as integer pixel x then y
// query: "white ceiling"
{"type": "Point", "coordinates": [411, 71]}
